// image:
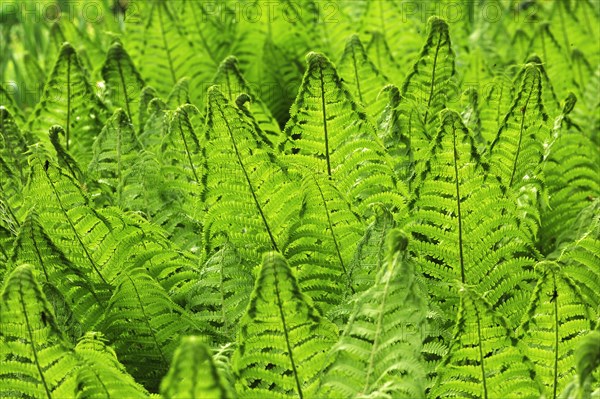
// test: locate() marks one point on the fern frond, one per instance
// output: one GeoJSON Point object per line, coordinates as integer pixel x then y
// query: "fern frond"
{"type": "Point", "coordinates": [194, 374]}
{"type": "Point", "coordinates": [282, 342]}
{"type": "Point", "coordinates": [84, 298]}
{"type": "Point", "coordinates": [123, 81]}
{"type": "Point", "coordinates": [585, 384]}
{"type": "Point", "coordinates": [516, 151]}
{"type": "Point", "coordinates": [250, 197]}
{"type": "Point", "coordinates": [461, 222]}
{"type": "Point", "coordinates": [100, 374]}
{"type": "Point", "coordinates": [13, 145]}
{"type": "Point", "coordinates": [331, 135]}
{"type": "Point", "coordinates": [36, 359]}
{"type": "Point", "coordinates": [115, 151]}
{"type": "Point", "coordinates": [322, 242]}
{"type": "Point", "coordinates": [571, 168]}
{"type": "Point", "coordinates": [484, 360]}
{"type": "Point", "coordinates": [221, 293]}
{"type": "Point", "coordinates": [144, 325]}
{"type": "Point", "coordinates": [553, 326]}
{"type": "Point", "coordinates": [379, 351]}
{"type": "Point", "coordinates": [156, 40]}
{"type": "Point", "coordinates": [65, 212]}
{"type": "Point", "coordinates": [362, 77]}
{"type": "Point", "coordinates": [232, 84]}
{"type": "Point", "coordinates": [69, 101]}
{"type": "Point", "coordinates": [429, 86]}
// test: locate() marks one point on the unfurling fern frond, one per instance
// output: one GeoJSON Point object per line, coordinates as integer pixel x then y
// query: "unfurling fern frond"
{"type": "Point", "coordinates": [36, 359]}
{"type": "Point", "coordinates": [429, 86]}
{"type": "Point", "coordinates": [484, 359]}
{"type": "Point", "coordinates": [101, 375]}
{"type": "Point", "coordinates": [330, 135]}
{"type": "Point", "coordinates": [556, 321]}
{"type": "Point", "coordinates": [69, 101]}
{"type": "Point", "coordinates": [232, 84]}
{"type": "Point", "coordinates": [461, 223]}
{"type": "Point", "coordinates": [144, 324]}
{"type": "Point", "coordinates": [362, 77]}
{"type": "Point", "coordinates": [194, 374]}
{"type": "Point", "coordinates": [249, 195]}
{"type": "Point", "coordinates": [84, 298]}
{"type": "Point", "coordinates": [221, 293]}
{"type": "Point", "coordinates": [322, 242]}
{"type": "Point", "coordinates": [123, 82]}
{"type": "Point", "coordinates": [571, 169]}
{"type": "Point", "coordinates": [378, 355]}
{"type": "Point", "coordinates": [517, 150]}
{"type": "Point", "coordinates": [283, 341]}
{"type": "Point", "coordinates": [115, 151]}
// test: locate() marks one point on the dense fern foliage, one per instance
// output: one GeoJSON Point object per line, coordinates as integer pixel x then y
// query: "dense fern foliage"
{"type": "Point", "coordinates": [300, 199]}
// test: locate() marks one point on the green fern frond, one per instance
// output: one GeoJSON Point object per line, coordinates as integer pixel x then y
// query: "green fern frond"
{"type": "Point", "coordinates": [8, 102]}
{"type": "Point", "coordinates": [553, 326]}
{"type": "Point", "coordinates": [144, 325]}
{"type": "Point", "coordinates": [396, 26]}
{"type": "Point", "coordinates": [232, 84]}
{"type": "Point", "coordinates": [461, 222]}
{"type": "Point", "coordinates": [369, 254]}
{"type": "Point", "coordinates": [322, 242]}
{"type": "Point", "coordinates": [100, 374]}
{"type": "Point", "coordinates": [395, 135]}
{"type": "Point", "coordinates": [430, 85]}
{"type": "Point", "coordinates": [585, 384]}
{"type": "Point", "coordinates": [362, 77]}
{"type": "Point", "coordinates": [36, 359]}
{"type": "Point", "coordinates": [65, 160]}
{"type": "Point", "coordinates": [69, 101]}
{"type": "Point", "coordinates": [84, 298]}
{"type": "Point", "coordinates": [194, 374]}
{"type": "Point", "coordinates": [380, 53]}
{"type": "Point", "coordinates": [156, 40]}
{"type": "Point", "coordinates": [332, 136]}
{"type": "Point", "coordinates": [379, 352]}
{"type": "Point", "coordinates": [517, 150]}
{"type": "Point", "coordinates": [282, 342]}
{"type": "Point", "coordinates": [250, 197]}
{"type": "Point", "coordinates": [123, 81]}
{"type": "Point", "coordinates": [13, 145]}
{"type": "Point", "coordinates": [65, 213]}
{"type": "Point", "coordinates": [115, 151]}
{"type": "Point", "coordinates": [221, 293]}
{"type": "Point", "coordinates": [571, 168]}
{"type": "Point", "coordinates": [484, 360]}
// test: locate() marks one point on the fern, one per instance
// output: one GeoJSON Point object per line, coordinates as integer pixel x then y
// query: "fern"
{"type": "Point", "coordinates": [362, 76]}
{"type": "Point", "coordinates": [206, 380]}
{"type": "Point", "coordinates": [553, 326]}
{"type": "Point", "coordinates": [101, 375]}
{"type": "Point", "coordinates": [123, 82]}
{"type": "Point", "coordinates": [332, 136]}
{"type": "Point", "coordinates": [485, 359]}
{"type": "Point", "coordinates": [429, 86]}
{"type": "Point", "coordinates": [462, 225]}
{"type": "Point", "coordinates": [242, 178]}
{"type": "Point", "coordinates": [296, 336]}
{"type": "Point", "coordinates": [36, 359]}
{"type": "Point", "coordinates": [141, 321]}
{"type": "Point", "coordinates": [68, 100]}
{"type": "Point", "coordinates": [378, 353]}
